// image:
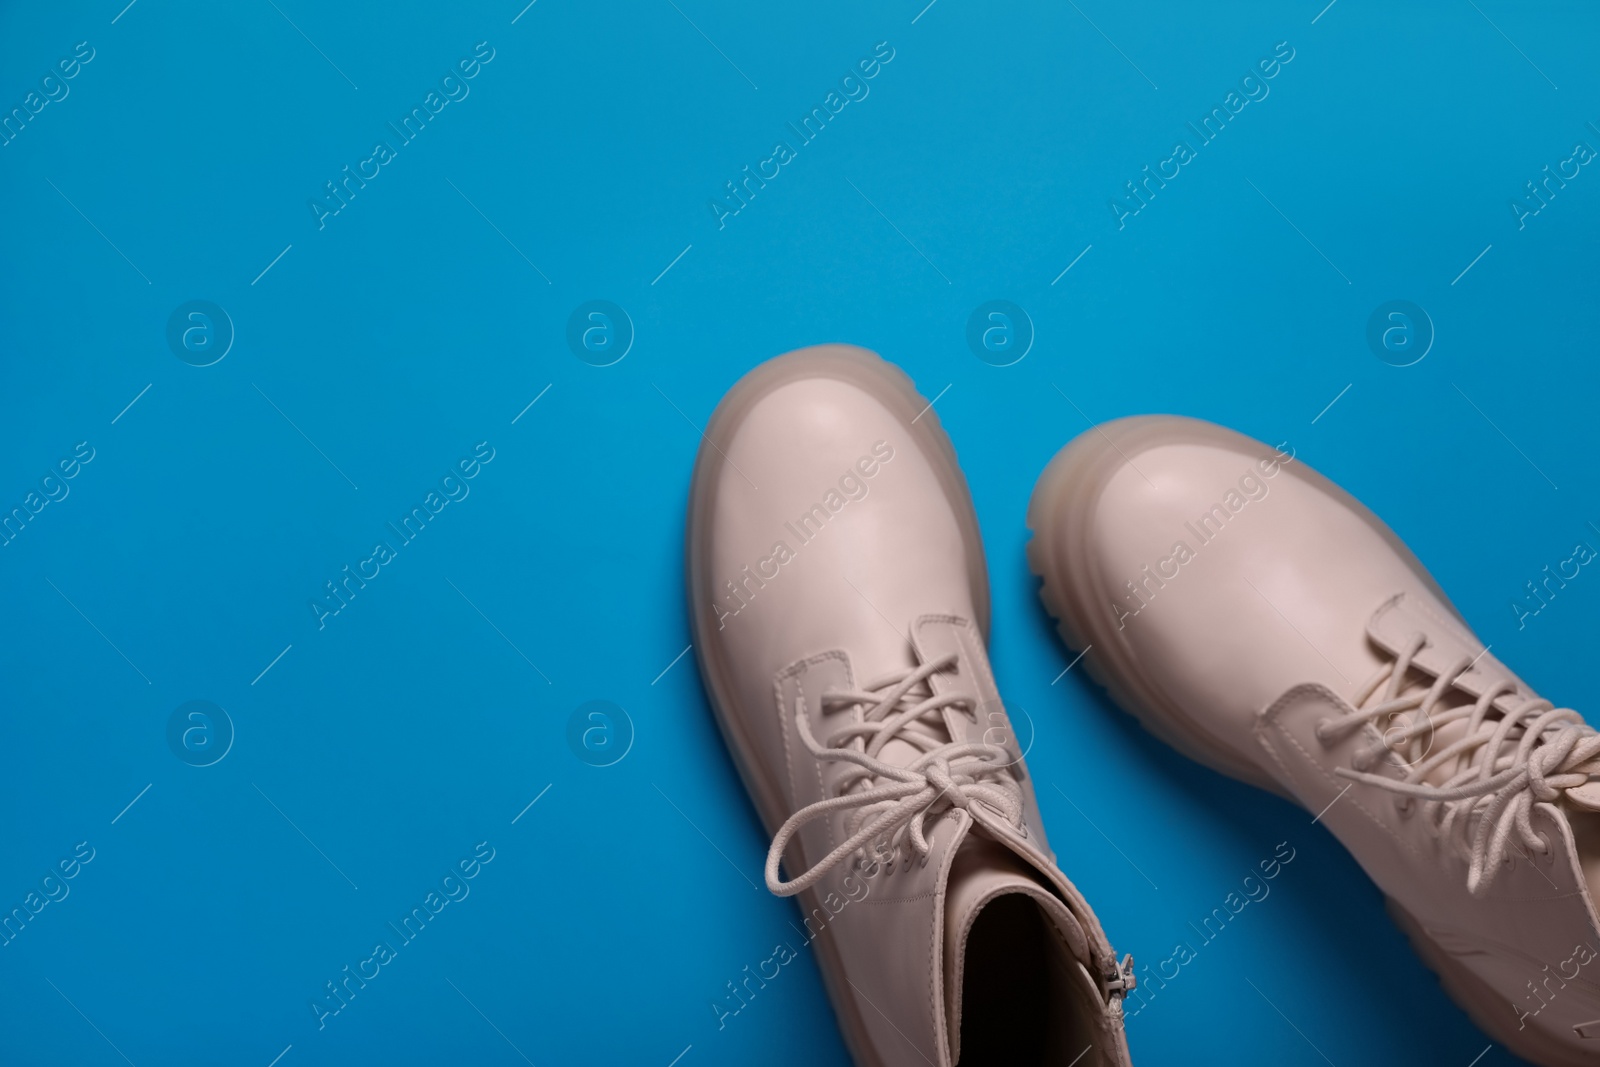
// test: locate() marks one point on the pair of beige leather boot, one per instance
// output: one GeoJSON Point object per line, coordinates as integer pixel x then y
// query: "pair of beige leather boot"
{"type": "Point", "coordinates": [1247, 610]}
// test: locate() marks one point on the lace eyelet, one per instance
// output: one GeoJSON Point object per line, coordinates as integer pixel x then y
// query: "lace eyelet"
{"type": "Point", "coordinates": [1548, 849]}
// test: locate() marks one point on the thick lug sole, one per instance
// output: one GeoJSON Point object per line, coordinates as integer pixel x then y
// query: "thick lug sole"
{"type": "Point", "coordinates": [1493, 1013]}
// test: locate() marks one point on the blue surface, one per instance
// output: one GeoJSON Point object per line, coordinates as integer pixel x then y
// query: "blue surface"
{"type": "Point", "coordinates": [378, 346]}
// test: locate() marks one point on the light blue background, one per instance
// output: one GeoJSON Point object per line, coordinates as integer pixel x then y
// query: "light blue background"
{"type": "Point", "coordinates": [409, 329]}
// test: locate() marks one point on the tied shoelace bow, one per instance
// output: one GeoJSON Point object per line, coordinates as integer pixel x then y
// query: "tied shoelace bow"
{"type": "Point", "coordinates": [887, 804]}
{"type": "Point", "coordinates": [1501, 768]}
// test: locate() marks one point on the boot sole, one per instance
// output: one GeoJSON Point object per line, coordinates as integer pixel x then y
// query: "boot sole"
{"type": "Point", "coordinates": [1481, 1003]}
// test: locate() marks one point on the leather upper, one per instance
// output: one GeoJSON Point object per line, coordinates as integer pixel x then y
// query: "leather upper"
{"type": "Point", "coordinates": [1262, 598]}
{"type": "Point", "coordinates": [865, 557]}
{"type": "Point", "coordinates": [832, 550]}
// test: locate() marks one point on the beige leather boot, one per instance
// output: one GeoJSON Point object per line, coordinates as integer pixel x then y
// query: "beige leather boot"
{"type": "Point", "coordinates": [1259, 619]}
{"type": "Point", "coordinates": [840, 609]}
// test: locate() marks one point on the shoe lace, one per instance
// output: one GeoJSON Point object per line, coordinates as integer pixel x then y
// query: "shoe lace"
{"type": "Point", "coordinates": [889, 805]}
{"type": "Point", "coordinates": [1507, 759]}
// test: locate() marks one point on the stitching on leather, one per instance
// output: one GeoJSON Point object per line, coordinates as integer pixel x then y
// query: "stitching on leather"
{"type": "Point", "coordinates": [1481, 666]}
{"type": "Point", "coordinates": [899, 900]}
{"type": "Point", "coordinates": [1454, 629]}
{"type": "Point", "coordinates": [816, 768]}
{"type": "Point", "coordinates": [964, 642]}
{"type": "Point", "coordinates": [941, 1037]}
{"type": "Point", "coordinates": [796, 671]}
{"type": "Point", "coordinates": [935, 974]}
{"type": "Point", "coordinates": [801, 665]}
{"type": "Point", "coordinates": [1275, 712]}
{"type": "Point", "coordinates": [783, 732]}
{"type": "Point", "coordinates": [1381, 617]}
{"type": "Point", "coordinates": [1484, 660]}
{"type": "Point", "coordinates": [967, 638]}
{"type": "Point", "coordinates": [1272, 715]}
{"type": "Point", "coordinates": [936, 980]}
{"type": "Point", "coordinates": [964, 823]}
{"type": "Point", "coordinates": [963, 631]}
{"type": "Point", "coordinates": [1288, 775]}
{"type": "Point", "coordinates": [1426, 609]}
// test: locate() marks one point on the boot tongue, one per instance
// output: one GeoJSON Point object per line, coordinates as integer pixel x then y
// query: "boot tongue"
{"type": "Point", "coordinates": [897, 752]}
{"type": "Point", "coordinates": [982, 872]}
